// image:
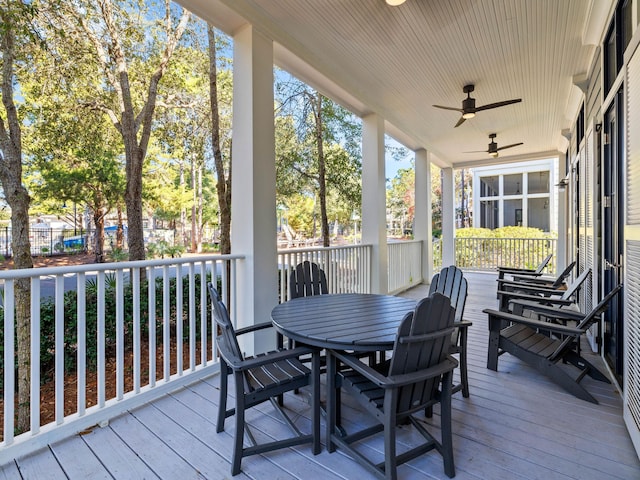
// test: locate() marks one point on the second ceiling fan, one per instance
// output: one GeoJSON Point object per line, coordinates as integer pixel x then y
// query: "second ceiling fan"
{"type": "Point", "coordinates": [469, 108]}
{"type": "Point", "coordinates": [493, 146]}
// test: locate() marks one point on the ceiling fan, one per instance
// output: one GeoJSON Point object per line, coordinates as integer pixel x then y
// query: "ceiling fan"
{"type": "Point", "coordinates": [469, 108]}
{"type": "Point", "coordinates": [493, 146]}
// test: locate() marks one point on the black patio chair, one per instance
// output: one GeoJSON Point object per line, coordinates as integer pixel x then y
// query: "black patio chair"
{"type": "Point", "coordinates": [451, 283]}
{"type": "Point", "coordinates": [307, 279]}
{"type": "Point", "coordinates": [550, 347]}
{"type": "Point", "coordinates": [502, 271]}
{"type": "Point", "coordinates": [258, 379]}
{"type": "Point", "coordinates": [543, 281]}
{"type": "Point", "coordinates": [418, 375]}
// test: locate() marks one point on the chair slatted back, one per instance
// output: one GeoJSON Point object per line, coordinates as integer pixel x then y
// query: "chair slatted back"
{"type": "Point", "coordinates": [451, 283]}
{"type": "Point", "coordinates": [589, 319]}
{"type": "Point", "coordinates": [226, 335]}
{"type": "Point", "coordinates": [576, 285]}
{"type": "Point", "coordinates": [422, 341]}
{"type": "Point", "coordinates": [307, 279]}
{"type": "Point", "coordinates": [544, 263]}
{"type": "Point", "coordinates": [563, 275]}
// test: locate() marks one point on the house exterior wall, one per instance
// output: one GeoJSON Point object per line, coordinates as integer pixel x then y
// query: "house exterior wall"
{"type": "Point", "coordinates": [511, 194]}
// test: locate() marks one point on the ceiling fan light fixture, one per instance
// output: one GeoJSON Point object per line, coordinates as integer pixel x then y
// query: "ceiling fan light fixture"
{"type": "Point", "coordinates": [468, 115]}
{"type": "Point", "coordinates": [493, 154]}
{"type": "Point", "coordinates": [395, 3]}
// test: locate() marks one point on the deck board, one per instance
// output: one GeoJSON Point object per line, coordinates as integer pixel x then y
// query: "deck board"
{"type": "Point", "coordinates": [517, 424]}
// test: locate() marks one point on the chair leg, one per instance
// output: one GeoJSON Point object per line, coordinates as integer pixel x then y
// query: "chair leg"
{"type": "Point", "coordinates": [238, 443]}
{"type": "Point", "coordinates": [464, 379]}
{"type": "Point", "coordinates": [331, 401]}
{"type": "Point", "coordinates": [390, 455]}
{"type": "Point", "coordinates": [445, 426]}
{"type": "Point", "coordinates": [222, 405]}
{"type": "Point", "coordinates": [315, 401]}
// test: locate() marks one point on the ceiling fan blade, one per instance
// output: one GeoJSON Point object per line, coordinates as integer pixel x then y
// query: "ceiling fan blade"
{"type": "Point", "coordinates": [449, 108]}
{"type": "Point", "coordinates": [509, 146]}
{"type": "Point", "coordinates": [476, 151]}
{"type": "Point", "coordinates": [460, 122]}
{"type": "Point", "coordinates": [498, 104]}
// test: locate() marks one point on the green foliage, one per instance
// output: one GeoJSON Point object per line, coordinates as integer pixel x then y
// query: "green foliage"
{"type": "Point", "coordinates": [163, 249]}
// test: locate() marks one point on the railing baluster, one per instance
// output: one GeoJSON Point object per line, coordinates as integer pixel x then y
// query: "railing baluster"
{"type": "Point", "coordinates": [101, 338]}
{"type": "Point", "coordinates": [35, 355]}
{"type": "Point", "coordinates": [81, 359]}
{"type": "Point", "coordinates": [59, 349]}
{"type": "Point", "coordinates": [9, 361]}
{"type": "Point", "coordinates": [119, 334]}
{"type": "Point", "coordinates": [135, 273]}
{"type": "Point", "coordinates": [151, 277]}
{"type": "Point", "coordinates": [192, 318]}
{"type": "Point", "coordinates": [180, 320]}
{"type": "Point", "coordinates": [166, 324]}
{"type": "Point", "coordinates": [203, 314]}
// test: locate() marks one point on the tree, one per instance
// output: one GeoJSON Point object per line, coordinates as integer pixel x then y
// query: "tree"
{"type": "Point", "coordinates": [14, 34]}
{"type": "Point", "coordinates": [131, 80]}
{"type": "Point", "coordinates": [401, 199]}
{"type": "Point", "coordinates": [317, 149]}
{"type": "Point", "coordinates": [223, 172]}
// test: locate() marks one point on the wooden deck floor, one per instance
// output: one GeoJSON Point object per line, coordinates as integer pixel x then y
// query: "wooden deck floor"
{"type": "Point", "coordinates": [515, 425]}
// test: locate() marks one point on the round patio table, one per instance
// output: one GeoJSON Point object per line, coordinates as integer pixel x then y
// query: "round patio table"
{"type": "Point", "coordinates": [349, 321]}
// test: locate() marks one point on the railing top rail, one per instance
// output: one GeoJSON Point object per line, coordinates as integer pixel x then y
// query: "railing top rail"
{"type": "Point", "coordinates": [102, 267]}
{"type": "Point", "coordinates": [403, 242]}
{"type": "Point", "coordinates": [507, 238]}
{"type": "Point", "coordinates": [319, 247]}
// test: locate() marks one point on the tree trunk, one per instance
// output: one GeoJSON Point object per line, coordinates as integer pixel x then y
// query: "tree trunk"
{"type": "Point", "coordinates": [223, 185]}
{"type": "Point", "coordinates": [183, 212]}
{"type": "Point", "coordinates": [200, 208]}
{"type": "Point", "coordinates": [322, 173]}
{"type": "Point", "coordinates": [133, 200]}
{"type": "Point", "coordinates": [98, 220]}
{"type": "Point", "coordinates": [120, 230]}
{"type": "Point", "coordinates": [18, 199]}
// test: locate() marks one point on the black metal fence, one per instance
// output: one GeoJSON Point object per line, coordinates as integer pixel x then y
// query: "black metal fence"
{"type": "Point", "coordinates": [48, 241]}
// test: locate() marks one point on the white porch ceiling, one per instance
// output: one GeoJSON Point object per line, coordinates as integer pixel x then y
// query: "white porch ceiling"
{"type": "Point", "coordinates": [399, 61]}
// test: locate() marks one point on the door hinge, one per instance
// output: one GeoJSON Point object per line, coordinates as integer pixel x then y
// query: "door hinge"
{"type": "Point", "coordinates": [606, 201]}
{"type": "Point", "coordinates": [606, 139]}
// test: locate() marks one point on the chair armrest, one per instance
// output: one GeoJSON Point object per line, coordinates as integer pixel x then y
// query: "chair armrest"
{"type": "Point", "coordinates": [521, 271]}
{"type": "Point", "coordinates": [462, 324]}
{"type": "Point", "coordinates": [550, 311]}
{"type": "Point", "coordinates": [529, 287]}
{"type": "Point", "coordinates": [535, 298]}
{"type": "Point", "coordinates": [253, 328]}
{"type": "Point", "coordinates": [448, 364]}
{"type": "Point", "coordinates": [254, 362]}
{"type": "Point", "coordinates": [530, 322]}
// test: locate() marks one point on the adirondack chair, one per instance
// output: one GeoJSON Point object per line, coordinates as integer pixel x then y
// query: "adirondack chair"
{"type": "Point", "coordinates": [451, 283]}
{"type": "Point", "coordinates": [502, 271]}
{"type": "Point", "coordinates": [548, 346]}
{"type": "Point", "coordinates": [307, 279]}
{"type": "Point", "coordinates": [418, 375]}
{"type": "Point", "coordinates": [258, 379]}
{"type": "Point", "coordinates": [520, 295]}
{"type": "Point", "coordinates": [550, 282]}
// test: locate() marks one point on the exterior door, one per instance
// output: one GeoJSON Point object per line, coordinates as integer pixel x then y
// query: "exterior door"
{"type": "Point", "coordinates": [612, 234]}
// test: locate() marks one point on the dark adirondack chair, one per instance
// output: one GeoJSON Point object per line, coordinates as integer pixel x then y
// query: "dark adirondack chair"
{"type": "Point", "coordinates": [549, 346]}
{"type": "Point", "coordinates": [451, 283]}
{"type": "Point", "coordinates": [418, 375]}
{"type": "Point", "coordinates": [549, 282]}
{"type": "Point", "coordinates": [520, 295]}
{"type": "Point", "coordinates": [307, 279]}
{"type": "Point", "coordinates": [502, 271]}
{"type": "Point", "coordinates": [258, 379]}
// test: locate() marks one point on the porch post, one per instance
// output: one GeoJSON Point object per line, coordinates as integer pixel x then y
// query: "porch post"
{"type": "Point", "coordinates": [374, 225]}
{"type": "Point", "coordinates": [253, 203]}
{"type": "Point", "coordinates": [422, 229]}
{"type": "Point", "coordinates": [448, 218]}
{"type": "Point", "coordinates": [562, 215]}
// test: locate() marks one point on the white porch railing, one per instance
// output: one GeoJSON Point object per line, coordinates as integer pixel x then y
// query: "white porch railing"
{"type": "Point", "coordinates": [489, 253]}
{"type": "Point", "coordinates": [348, 268]}
{"type": "Point", "coordinates": [405, 265]}
{"type": "Point", "coordinates": [112, 305]}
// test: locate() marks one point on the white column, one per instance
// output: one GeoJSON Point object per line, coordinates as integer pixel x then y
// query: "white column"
{"type": "Point", "coordinates": [562, 213]}
{"type": "Point", "coordinates": [374, 224]}
{"type": "Point", "coordinates": [253, 231]}
{"type": "Point", "coordinates": [448, 217]}
{"type": "Point", "coordinates": [423, 230]}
